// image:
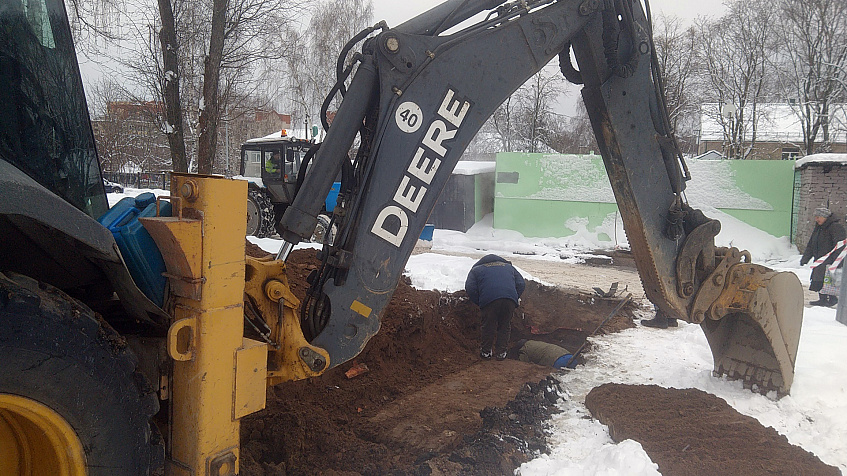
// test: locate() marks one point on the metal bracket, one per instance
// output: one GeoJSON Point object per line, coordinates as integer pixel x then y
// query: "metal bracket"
{"type": "Point", "coordinates": [700, 243]}
{"type": "Point", "coordinates": [711, 289]}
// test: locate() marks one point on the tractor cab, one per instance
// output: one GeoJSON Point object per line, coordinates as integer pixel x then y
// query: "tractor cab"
{"type": "Point", "coordinates": [272, 163]}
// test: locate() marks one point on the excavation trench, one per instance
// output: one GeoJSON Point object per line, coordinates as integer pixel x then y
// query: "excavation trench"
{"type": "Point", "coordinates": [426, 403]}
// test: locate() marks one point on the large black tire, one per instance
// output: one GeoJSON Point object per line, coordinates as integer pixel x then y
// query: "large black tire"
{"type": "Point", "coordinates": [55, 351]}
{"type": "Point", "coordinates": [260, 214]}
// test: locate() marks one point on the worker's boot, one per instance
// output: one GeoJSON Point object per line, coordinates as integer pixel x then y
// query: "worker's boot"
{"type": "Point", "coordinates": [501, 355]}
{"type": "Point", "coordinates": [831, 300]}
{"type": "Point", "coordinates": [485, 354]}
{"type": "Point", "coordinates": [659, 322]}
{"type": "Point", "coordinates": [822, 300]}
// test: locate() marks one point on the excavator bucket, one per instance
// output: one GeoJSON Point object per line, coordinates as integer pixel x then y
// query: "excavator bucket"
{"type": "Point", "coordinates": [753, 328]}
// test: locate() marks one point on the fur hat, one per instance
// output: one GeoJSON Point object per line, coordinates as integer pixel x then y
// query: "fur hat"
{"type": "Point", "coordinates": [822, 212]}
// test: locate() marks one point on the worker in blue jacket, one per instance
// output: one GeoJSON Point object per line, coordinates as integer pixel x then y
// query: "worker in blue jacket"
{"type": "Point", "coordinates": [495, 286]}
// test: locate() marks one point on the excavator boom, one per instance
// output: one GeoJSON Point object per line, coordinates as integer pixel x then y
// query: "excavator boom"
{"type": "Point", "coordinates": [420, 95]}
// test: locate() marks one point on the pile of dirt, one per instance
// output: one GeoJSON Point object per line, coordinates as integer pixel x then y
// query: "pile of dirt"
{"type": "Point", "coordinates": [694, 433]}
{"type": "Point", "coordinates": [427, 403]}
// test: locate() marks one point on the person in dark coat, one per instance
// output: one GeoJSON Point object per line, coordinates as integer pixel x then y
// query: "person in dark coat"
{"type": "Point", "coordinates": [827, 233]}
{"type": "Point", "coordinates": [495, 286]}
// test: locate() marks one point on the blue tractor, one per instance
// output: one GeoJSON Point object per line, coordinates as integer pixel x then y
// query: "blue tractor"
{"type": "Point", "coordinates": [272, 164]}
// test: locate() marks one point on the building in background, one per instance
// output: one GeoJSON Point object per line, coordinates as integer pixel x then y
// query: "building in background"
{"type": "Point", "coordinates": [131, 139]}
{"type": "Point", "coordinates": [778, 132]}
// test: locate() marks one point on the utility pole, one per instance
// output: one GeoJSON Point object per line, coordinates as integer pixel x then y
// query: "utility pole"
{"type": "Point", "coordinates": [226, 135]}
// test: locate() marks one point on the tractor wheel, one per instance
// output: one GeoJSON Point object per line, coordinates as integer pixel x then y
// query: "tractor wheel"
{"type": "Point", "coordinates": [72, 400]}
{"type": "Point", "coordinates": [260, 214]}
{"type": "Point", "coordinates": [323, 232]}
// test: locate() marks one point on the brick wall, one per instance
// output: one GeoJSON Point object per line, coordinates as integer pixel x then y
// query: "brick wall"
{"type": "Point", "coordinates": [820, 184]}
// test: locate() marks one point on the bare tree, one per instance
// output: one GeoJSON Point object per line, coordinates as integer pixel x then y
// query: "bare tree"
{"type": "Point", "coordinates": [312, 74]}
{"type": "Point", "coordinates": [126, 131]}
{"type": "Point", "coordinates": [167, 85]}
{"type": "Point", "coordinates": [814, 64]}
{"type": "Point", "coordinates": [210, 102]}
{"type": "Point", "coordinates": [501, 126]}
{"type": "Point", "coordinates": [538, 120]}
{"type": "Point", "coordinates": [736, 51]}
{"type": "Point", "coordinates": [107, 133]}
{"type": "Point", "coordinates": [676, 49]}
{"type": "Point", "coordinates": [575, 134]}
{"type": "Point", "coordinates": [199, 74]}
{"type": "Point", "coordinates": [527, 121]}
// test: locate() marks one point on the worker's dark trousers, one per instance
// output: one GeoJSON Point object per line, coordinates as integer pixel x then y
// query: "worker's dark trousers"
{"type": "Point", "coordinates": [496, 325]}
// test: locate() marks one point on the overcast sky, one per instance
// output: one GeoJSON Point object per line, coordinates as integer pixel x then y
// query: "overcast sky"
{"type": "Point", "coordinates": [398, 11]}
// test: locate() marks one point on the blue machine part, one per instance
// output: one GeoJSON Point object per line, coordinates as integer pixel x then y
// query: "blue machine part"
{"type": "Point", "coordinates": [332, 197]}
{"type": "Point", "coordinates": [137, 247]}
{"type": "Point", "coordinates": [563, 361]}
{"type": "Point", "coordinates": [426, 234]}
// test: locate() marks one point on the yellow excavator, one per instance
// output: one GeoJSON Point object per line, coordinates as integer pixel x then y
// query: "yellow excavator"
{"type": "Point", "coordinates": [123, 348]}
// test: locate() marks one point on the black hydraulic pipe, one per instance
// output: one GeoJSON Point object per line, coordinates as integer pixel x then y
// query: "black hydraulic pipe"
{"type": "Point", "coordinates": [456, 11]}
{"type": "Point", "coordinates": [300, 218]}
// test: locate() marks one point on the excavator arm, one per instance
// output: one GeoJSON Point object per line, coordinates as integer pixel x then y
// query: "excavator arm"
{"type": "Point", "coordinates": [417, 99]}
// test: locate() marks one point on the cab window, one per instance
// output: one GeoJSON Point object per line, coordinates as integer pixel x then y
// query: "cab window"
{"type": "Point", "coordinates": [273, 163]}
{"type": "Point", "coordinates": [252, 163]}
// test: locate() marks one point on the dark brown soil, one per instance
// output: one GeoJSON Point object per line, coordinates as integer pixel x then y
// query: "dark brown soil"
{"type": "Point", "coordinates": [428, 405]}
{"type": "Point", "coordinates": [690, 432]}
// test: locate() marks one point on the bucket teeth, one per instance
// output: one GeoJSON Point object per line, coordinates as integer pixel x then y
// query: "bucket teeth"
{"type": "Point", "coordinates": [756, 338]}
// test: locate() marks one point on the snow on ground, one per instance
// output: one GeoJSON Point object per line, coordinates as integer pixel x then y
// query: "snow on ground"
{"type": "Point", "coordinates": [133, 192]}
{"type": "Point", "coordinates": [813, 417]}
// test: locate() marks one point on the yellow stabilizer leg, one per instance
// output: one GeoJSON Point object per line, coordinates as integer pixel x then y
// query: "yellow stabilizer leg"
{"type": "Point", "coordinates": [218, 376]}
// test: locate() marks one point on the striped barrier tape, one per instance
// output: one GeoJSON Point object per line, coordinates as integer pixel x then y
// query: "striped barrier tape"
{"type": "Point", "coordinates": [843, 246]}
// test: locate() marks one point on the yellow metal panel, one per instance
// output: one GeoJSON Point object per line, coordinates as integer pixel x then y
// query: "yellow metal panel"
{"type": "Point", "coordinates": [203, 389]}
{"type": "Point", "coordinates": [180, 242]}
{"type": "Point", "coordinates": [208, 243]}
{"type": "Point", "coordinates": [361, 308]}
{"type": "Point", "coordinates": [251, 370]}
{"type": "Point", "coordinates": [222, 206]}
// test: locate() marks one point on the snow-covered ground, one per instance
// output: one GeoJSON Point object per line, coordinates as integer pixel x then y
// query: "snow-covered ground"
{"type": "Point", "coordinates": [133, 192]}
{"type": "Point", "coordinates": [813, 416]}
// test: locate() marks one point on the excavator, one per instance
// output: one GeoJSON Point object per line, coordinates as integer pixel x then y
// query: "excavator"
{"type": "Point", "coordinates": [123, 348]}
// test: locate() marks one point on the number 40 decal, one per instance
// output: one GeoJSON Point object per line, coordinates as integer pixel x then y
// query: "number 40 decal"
{"type": "Point", "coordinates": [409, 117]}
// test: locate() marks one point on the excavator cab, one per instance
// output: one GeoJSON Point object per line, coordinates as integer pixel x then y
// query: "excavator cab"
{"type": "Point", "coordinates": [44, 125]}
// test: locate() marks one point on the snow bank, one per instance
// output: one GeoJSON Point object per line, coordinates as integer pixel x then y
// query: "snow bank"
{"type": "Point", "coordinates": [114, 198]}
{"type": "Point", "coordinates": [821, 158]}
{"type": "Point", "coordinates": [483, 238]}
{"type": "Point", "coordinates": [469, 167]}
